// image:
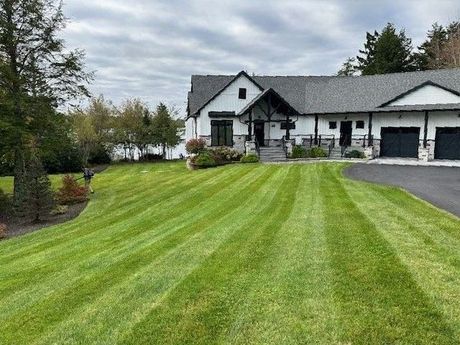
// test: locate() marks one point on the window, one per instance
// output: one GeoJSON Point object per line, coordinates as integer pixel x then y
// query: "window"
{"type": "Point", "coordinates": [222, 133]}
{"type": "Point", "coordinates": [242, 93]}
{"type": "Point", "coordinates": [332, 124]}
{"type": "Point", "coordinates": [359, 124]}
{"type": "Point", "coordinates": [291, 125]}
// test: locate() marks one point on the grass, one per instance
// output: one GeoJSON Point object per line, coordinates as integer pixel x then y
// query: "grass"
{"type": "Point", "coordinates": [242, 254]}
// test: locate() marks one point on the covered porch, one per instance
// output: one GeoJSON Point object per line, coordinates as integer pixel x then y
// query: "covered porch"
{"type": "Point", "coordinates": [269, 119]}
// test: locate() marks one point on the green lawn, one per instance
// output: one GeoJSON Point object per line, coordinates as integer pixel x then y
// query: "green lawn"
{"type": "Point", "coordinates": [242, 254]}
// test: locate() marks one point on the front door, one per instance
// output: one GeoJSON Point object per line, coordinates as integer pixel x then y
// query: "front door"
{"type": "Point", "coordinates": [259, 132]}
{"type": "Point", "coordinates": [346, 130]}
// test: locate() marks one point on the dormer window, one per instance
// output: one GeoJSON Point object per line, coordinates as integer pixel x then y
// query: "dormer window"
{"type": "Point", "coordinates": [242, 93]}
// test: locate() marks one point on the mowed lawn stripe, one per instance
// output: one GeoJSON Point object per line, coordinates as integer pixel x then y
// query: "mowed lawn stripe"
{"type": "Point", "coordinates": [379, 300]}
{"type": "Point", "coordinates": [428, 247]}
{"type": "Point", "coordinates": [107, 274]}
{"type": "Point", "coordinates": [201, 309]}
{"type": "Point", "coordinates": [151, 283]}
{"type": "Point", "coordinates": [291, 299]}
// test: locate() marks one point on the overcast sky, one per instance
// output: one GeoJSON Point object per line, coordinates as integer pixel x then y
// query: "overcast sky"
{"type": "Point", "coordinates": [149, 49]}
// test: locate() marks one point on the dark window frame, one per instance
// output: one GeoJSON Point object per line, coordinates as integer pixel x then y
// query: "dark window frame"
{"type": "Point", "coordinates": [360, 124]}
{"type": "Point", "coordinates": [242, 93]}
{"type": "Point", "coordinates": [222, 133]}
{"type": "Point", "coordinates": [291, 125]}
{"type": "Point", "coordinates": [332, 124]}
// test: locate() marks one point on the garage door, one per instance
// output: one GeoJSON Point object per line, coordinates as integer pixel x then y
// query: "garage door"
{"type": "Point", "coordinates": [400, 141]}
{"type": "Point", "coordinates": [447, 145]}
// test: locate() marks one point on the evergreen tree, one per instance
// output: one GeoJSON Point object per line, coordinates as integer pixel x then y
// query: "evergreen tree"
{"type": "Point", "coordinates": [38, 199]}
{"type": "Point", "coordinates": [386, 52]}
{"type": "Point", "coordinates": [165, 128]}
{"type": "Point", "coordinates": [348, 68]}
{"type": "Point", "coordinates": [429, 53]}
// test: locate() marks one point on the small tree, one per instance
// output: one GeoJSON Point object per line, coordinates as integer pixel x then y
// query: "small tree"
{"type": "Point", "coordinates": [39, 197]}
{"type": "Point", "coordinates": [195, 146]}
{"type": "Point", "coordinates": [165, 128]}
{"type": "Point", "coordinates": [71, 192]}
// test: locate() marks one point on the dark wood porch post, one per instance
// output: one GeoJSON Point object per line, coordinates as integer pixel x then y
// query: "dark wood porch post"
{"type": "Point", "coordinates": [370, 141]}
{"type": "Point", "coordinates": [425, 130]}
{"type": "Point", "coordinates": [287, 127]}
{"type": "Point", "coordinates": [316, 130]}
{"type": "Point", "coordinates": [250, 126]}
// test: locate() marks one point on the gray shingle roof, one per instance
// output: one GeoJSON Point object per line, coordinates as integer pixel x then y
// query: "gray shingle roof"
{"type": "Point", "coordinates": [316, 95]}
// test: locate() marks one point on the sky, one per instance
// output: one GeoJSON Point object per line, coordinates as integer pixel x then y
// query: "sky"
{"type": "Point", "coordinates": [149, 49]}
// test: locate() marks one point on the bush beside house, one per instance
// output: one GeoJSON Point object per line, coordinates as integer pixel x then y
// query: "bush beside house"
{"type": "Point", "coordinates": [299, 151]}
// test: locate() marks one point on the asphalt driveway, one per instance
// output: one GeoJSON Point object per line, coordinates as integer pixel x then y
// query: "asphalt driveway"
{"type": "Point", "coordinates": [437, 185]}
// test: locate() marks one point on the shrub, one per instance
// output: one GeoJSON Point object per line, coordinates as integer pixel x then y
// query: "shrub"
{"type": "Point", "coordinates": [355, 154]}
{"type": "Point", "coordinates": [224, 155]}
{"type": "Point", "coordinates": [195, 146]}
{"type": "Point", "coordinates": [71, 192]}
{"type": "Point", "coordinates": [316, 152]}
{"type": "Point", "coordinates": [298, 152]}
{"type": "Point", "coordinates": [99, 155]}
{"type": "Point", "coordinates": [151, 157]}
{"type": "Point", "coordinates": [59, 209]}
{"type": "Point", "coordinates": [205, 160]}
{"type": "Point", "coordinates": [3, 230]}
{"type": "Point", "coordinates": [251, 158]}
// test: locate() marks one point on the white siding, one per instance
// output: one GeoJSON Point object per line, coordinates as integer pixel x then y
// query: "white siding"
{"type": "Point", "coordinates": [416, 119]}
{"type": "Point", "coordinates": [442, 119]}
{"type": "Point", "coordinates": [323, 124]}
{"type": "Point", "coordinates": [228, 101]}
{"type": "Point", "coordinates": [428, 94]}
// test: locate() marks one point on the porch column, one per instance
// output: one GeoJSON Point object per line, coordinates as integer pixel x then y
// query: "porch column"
{"type": "Point", "coordinates": [287, 127]}
{"type": "Point", "coordinates": [370, 141]}
{"type": "Point", "coordinates": [316, 130]}
{"type": "Point", "coordinates": [425, 130]}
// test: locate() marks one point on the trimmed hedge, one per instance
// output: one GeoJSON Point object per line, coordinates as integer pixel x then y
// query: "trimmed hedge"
{"type": "Point", "coordinates": [251, 158]}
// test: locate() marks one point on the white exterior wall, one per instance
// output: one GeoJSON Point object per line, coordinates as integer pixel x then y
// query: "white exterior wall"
{"type": "Point", "coordinates": [323, 124]}
{"type": "Point", "coordinates": [415, 119]}
{"type": "Point", "coordinates": [228, 101]}
{"type": "Point", "coordinates": [442, 119]}
{"type": "Point", "coordinates": [428, 94]}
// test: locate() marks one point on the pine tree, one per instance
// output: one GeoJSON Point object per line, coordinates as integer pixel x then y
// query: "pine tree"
{"type": "Point", "coordinates": [348, 68]}
{"type": "Point", "coordinates": [386, 52]}
{"type": "Point", "coordinates": [39, 197]}
{"type": "Point", "coordinates": [165, 128]}
{"type": "Point", "coordinates": [428, 56]}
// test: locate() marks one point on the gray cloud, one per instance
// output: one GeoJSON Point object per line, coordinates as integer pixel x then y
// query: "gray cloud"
{"type": "Point", "coordinates": [149, 49]}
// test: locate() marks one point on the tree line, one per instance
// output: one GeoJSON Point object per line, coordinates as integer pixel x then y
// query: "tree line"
{"type": "Point", "coordinates": [391, 51]}
{"type": "Point", "coordinates": [102, 127]}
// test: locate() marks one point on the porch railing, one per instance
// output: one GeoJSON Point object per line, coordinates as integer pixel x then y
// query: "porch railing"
{"type": "Point", "coordinates": [283, 145]}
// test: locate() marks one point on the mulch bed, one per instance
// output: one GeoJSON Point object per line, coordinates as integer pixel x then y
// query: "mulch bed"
{"type": "Point", "coordinates": [17, 227]}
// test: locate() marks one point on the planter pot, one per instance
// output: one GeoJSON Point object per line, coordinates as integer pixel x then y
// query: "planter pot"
{"type": "Point", "coordinates": [190, 165]}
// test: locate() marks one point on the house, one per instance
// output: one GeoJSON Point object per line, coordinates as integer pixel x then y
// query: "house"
{"type": "Point", "coordinates": [413, 114]}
